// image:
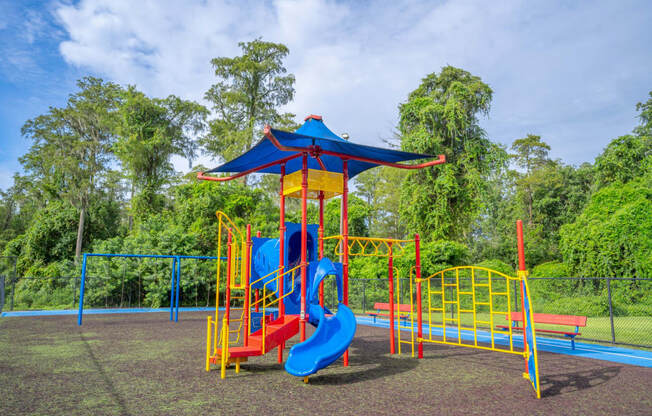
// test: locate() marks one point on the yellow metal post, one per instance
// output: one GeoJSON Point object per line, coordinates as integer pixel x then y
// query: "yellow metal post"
{"type": "Point", "coordinates": [225, 347]}
{"type": "Point", "coordinates": [208, 343]}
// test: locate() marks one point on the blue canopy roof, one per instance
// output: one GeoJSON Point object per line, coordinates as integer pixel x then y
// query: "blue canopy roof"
{"type": "Point", "coordinates": [313, 133]}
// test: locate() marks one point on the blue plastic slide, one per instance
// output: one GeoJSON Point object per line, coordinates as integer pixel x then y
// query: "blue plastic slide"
{"type": "Point", "coordinates": [333, 335]}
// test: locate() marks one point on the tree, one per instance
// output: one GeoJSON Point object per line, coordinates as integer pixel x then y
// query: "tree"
{"type": "Point", "coordinates": [71, 146]}
{"type": "Point", "coordinates": [613, 235]}
{"type": "Point", "coordinates": [249, 91]}
{"type": "Point", "coordinates": [152, 131]}
{"type": "Point", "coordinates": [531, 153]}
{"type": "Point", "coordinates": [628, 157]}
{"type": "Point", "coordinates": [442, 116]}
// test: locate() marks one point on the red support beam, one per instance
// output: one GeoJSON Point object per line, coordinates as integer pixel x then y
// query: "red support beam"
{"type": "Point", "coordinates": [281, 242]}
{"type": "Point", "coordinates": [519, 242]}
{"type": "Point", "coordinates": [304, 245]}
{"type": "Point", "coordinates": [281, 260]}
{"type": "Point", "coordinates": [521, 273]}
{"type": "Point", "coordinates": [417, 250]}
{"type": "Point", "coordinates": [200, 175]}
{"type": "Point", "coordinates": [390, 273]}
{"type": "Point", "coordinates": [257, 293]}
{"type": "Point", "coordinates": [345, 240]}
{"type": "Point", "coordinates": [257, 290]}
{"type": "Point", "coordinates": [245, 257]}
{"type": "Point", "coordinates": [321, 244]}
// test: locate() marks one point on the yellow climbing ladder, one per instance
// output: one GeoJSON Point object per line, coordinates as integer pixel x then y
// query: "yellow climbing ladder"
{"type": "Point", "coordinates": [400, 314]}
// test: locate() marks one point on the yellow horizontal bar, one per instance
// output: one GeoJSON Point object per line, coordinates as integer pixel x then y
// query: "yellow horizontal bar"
{"type": "Point", "coordinates": [465, 293]}
{"type": "Point", "coordinates": [466, 311]}
{"type": "Point", "coordinates": [450, 301]}
{"type": "Point", "coordinates": [499, 312]}
{"type": "Point", "coordinates": [482, 303]}
{"type": "Point", "coordinates": [437, 309]}
{"type": "Point", "coordinates": [483, 322]}
{"type": "Point", "coordinates": [450, 319]}
{"type": "Point", "coordinates": [499, 293]}
{"type": "Point", "coordinates": [450, 284]}
{"type": "Point", "coordinates": [435, 293]}
{"type": "Point", "coordinates": [470, 346]}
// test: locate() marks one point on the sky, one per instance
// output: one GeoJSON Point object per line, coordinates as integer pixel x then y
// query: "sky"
{"type": "Point", "coordinates": [569, 71]}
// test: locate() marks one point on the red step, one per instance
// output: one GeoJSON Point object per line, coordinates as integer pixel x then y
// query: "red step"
{"type": "Point", "coordinates": [249, 351]}
{"type": "Point", "coordinates": [276, 332]}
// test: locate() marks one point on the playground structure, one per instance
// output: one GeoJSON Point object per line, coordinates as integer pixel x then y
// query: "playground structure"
{"type": "Point", "coordinates": [266, 303]}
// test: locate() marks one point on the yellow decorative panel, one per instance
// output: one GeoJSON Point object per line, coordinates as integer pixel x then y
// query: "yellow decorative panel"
{"type": "Point", "coordinates": [318, 181]}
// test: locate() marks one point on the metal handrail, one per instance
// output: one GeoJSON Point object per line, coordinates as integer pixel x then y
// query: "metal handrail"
{"type": "Point", "coordinates": [266, 296]}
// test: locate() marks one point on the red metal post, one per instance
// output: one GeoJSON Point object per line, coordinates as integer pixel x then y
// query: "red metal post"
{"type": "Point", "coordinates": [227, 306]}
{"type": "Point", "coordinates": [321, 244]}
{"type": "Point", "coordinates": [281, 255]}
{"type": "Point", "coordinates": [345, 240]}
{"type": "Point", "coordinates": [246, 257]}
{"type": "Point", "coordinates": [281, 247]}
{"type": "Point", "coordinates": [519, 242]}
{"type": "Point", "coordinates": [521, 273]}
{"type": "Point", "coordinates": [390, 271]}
{"type": "Point", "coordinates": [417, 250]}
{"type": "Point", "coordinates": [304, 245]}
{"type": "Point", "coordinates": [257, 293]}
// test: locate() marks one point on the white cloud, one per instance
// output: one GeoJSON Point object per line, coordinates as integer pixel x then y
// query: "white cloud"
{"type": "Point", "coordinates": [554, 69]}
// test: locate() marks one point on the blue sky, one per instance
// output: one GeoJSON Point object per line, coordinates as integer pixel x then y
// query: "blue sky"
{"type": "Point", "coordinates": [570, 71]}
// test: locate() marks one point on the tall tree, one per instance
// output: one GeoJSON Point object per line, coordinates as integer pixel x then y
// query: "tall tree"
{"type": "Point", "coordinates": [250, 89]}
{"type": "Point", "coordinates": [151, 132]}
{"type": "Point", "coordinates": [531, 153]}
{"type": "Point", "coordinates": [442, 116]}
{"type": "Point", "coordinates": [71, 145]}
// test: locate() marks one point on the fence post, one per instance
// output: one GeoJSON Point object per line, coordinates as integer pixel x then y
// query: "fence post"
{"type": "Point", "coordinates": [364, 289]}
{"type": "Point", "coordinates": [2, 292]}
{"type": "Point", "coordinates": [74, 292]}
{"type": "Point", "coordinates": [13, 291]}
{"type": "Point", "coordinates": [611, 312]}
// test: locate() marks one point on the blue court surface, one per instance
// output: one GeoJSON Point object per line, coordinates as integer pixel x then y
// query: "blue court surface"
{"type": "Point", "coordinates": [99, 311]}
{"type": "Point", "coordinates": [557, 345]}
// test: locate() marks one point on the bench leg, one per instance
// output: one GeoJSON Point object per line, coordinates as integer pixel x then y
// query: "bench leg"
{"type": "Point", "coordinates": [573, 343]}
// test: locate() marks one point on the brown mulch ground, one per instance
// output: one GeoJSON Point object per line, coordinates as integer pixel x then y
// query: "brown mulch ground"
{"type": "Point", "coordinates": [142, 364]}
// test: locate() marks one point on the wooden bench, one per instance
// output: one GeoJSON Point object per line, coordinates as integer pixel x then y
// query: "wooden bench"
{"type": "Point", "coordinates": [544, 318]}
{"type": "Point", "coordinates": [403, 311]}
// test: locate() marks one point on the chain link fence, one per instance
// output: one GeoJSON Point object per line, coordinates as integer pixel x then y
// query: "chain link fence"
{"type": "Point", "coordinates": [619, 310]}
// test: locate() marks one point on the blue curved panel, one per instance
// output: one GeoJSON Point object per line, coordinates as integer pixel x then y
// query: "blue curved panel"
{"type": "Point", "coordinates": [332, 337]}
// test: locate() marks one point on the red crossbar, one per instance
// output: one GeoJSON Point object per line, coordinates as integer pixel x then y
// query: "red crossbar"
{"type": "Point", "coordinates": [200, 175]}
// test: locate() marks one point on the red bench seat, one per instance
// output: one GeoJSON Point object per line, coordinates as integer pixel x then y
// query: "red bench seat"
{"type": "Point", "coordinates": [545, 318]}
{"type": "Point", "coordinates": [402, 310]}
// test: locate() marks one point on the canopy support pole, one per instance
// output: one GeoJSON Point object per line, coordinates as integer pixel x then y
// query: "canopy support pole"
{"type": "Point", "coordinates": [304, 245]}
{"type": "Point", "coordinates": [345, 241]}
{"type": "Point", "coordinates": [321, 244]}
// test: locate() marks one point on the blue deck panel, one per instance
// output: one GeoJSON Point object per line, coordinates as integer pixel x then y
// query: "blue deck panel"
{"type": "Point", "coordinates": [557, 345]}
